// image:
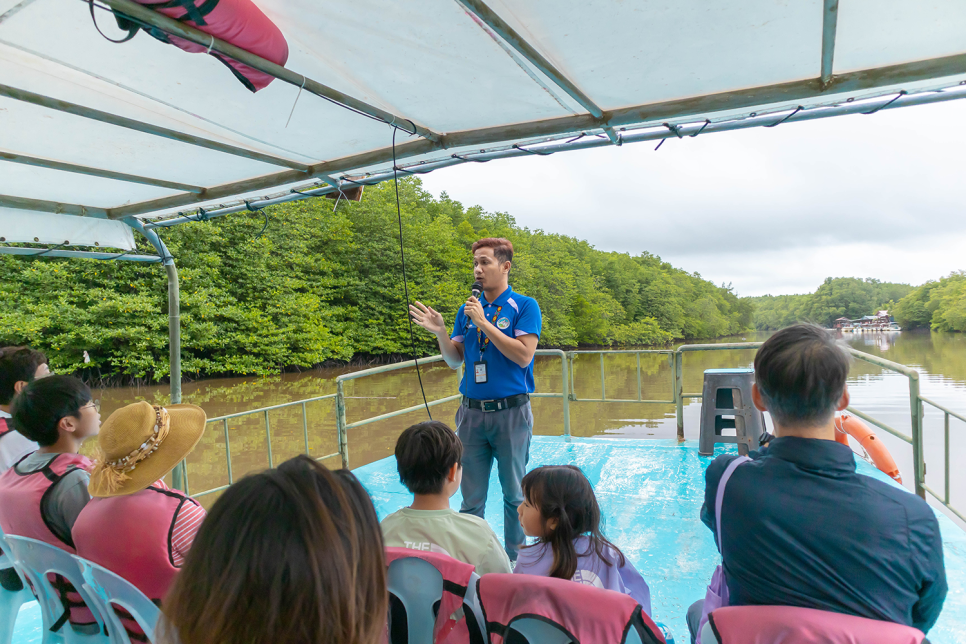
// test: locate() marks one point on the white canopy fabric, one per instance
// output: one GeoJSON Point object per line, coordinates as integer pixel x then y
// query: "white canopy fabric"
{"type": "Point", "coordinates": [480, 76]}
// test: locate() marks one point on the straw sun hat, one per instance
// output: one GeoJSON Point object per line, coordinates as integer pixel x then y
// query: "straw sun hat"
{"type": "Point", "coordinates": [140, 443]}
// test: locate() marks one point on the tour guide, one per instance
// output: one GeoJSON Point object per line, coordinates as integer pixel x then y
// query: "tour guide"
{"type": "Point", "coordinates": [496, 337]}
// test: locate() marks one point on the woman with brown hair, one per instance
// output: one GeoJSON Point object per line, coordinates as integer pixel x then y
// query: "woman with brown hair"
{"type": "Point", "coordinates": [292, 555]}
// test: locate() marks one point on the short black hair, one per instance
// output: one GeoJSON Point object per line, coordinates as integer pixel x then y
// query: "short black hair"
{"type": "Point", "coordinates": [424, 454]}
{"type": "Point", "coordinates": [17, 364]}
{"type": "Point", "coordinates": [39, 407]}
{"type": "Point", "coordinates": [801, 373]}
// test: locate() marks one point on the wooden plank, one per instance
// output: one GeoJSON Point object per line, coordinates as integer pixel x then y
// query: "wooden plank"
{"type": "Point", "coordinates": [96, 172]}
{"type": "Point", "coordinates": [141, 126]}
{"type": "Point", "coordinates": [830, 17]}
{"type": "Point", "coordinates": [23, 203]}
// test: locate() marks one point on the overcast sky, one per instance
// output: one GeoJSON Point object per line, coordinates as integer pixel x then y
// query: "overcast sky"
{"type": "Point", "coordinates": [769, 210]}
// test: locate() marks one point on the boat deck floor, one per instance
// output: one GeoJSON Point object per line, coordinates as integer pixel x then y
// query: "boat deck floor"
{"type": "Point", "coordinates": [650, 492]}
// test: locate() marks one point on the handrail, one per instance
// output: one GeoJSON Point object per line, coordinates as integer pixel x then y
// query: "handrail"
{"type": "Point", "coordinates": [344, 426]}
{"type": "Point", "coordinates": [942, 409]}
{"type": "Point", "coordinates": [568, 394]}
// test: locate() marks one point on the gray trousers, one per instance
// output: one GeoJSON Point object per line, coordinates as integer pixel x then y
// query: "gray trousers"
{"type": "Point", "coordinates": [504, 435]}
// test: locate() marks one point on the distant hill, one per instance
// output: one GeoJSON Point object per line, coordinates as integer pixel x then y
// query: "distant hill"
{"type": "Point", "coordinates": [850, 297]}
{"type": "Point", "coordinates": [303, 285]}
{"type": "Point", "coordinates": [940, 305]}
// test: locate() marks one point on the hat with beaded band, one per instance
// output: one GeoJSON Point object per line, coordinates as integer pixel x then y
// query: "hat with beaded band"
{"type": "Point", "coordinates": [140, 443]}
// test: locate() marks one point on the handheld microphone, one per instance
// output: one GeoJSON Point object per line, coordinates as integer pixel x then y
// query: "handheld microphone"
{"type": "Point", "coordinates": [477, 288]}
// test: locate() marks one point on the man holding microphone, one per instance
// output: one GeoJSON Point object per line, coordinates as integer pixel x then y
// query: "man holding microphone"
{"type": "Point", "coordinates": [495, 336]}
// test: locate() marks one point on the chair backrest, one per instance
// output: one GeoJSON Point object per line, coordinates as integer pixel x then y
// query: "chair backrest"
{"type": "Point", "coordinates": [35, 560]}
{"type": "Point", "coordinates": [111, 591]}
{"type": "Point", "coordinates": [537, 631]}
{"type": "Point", "coordinates": [578, 612]}
{"type": "Point", "coordinates": [437, 594]}
{"type": "Point", "coordinates": [793, 625]}
{"type": "Point", "coordinates": [11, 599]}
{"type": "Point", "coordinates": [418, 586]}
{"type": "Point", "coordinates": [475, 620]}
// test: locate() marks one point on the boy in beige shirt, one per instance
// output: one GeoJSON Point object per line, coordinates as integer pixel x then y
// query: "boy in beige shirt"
{"type": "Point", "coordinates": [428, 457]}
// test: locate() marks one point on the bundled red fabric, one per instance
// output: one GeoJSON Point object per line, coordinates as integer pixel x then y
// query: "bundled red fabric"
{"type": "Point", "coordinates": [456, 575]}
{"type": "Point", "coordinates": [238, 22]}
{"type": "Point", "coordinates": [792, 625]}
{"type": "Point", "coordinates": [585, 613]}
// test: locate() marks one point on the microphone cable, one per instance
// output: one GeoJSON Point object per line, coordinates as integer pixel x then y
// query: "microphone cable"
{"type": "Point", "coordinates": [402, 257]}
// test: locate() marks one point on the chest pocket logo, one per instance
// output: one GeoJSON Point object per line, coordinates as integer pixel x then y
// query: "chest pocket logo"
{"type": "Point", "coordinates": [503, 323]}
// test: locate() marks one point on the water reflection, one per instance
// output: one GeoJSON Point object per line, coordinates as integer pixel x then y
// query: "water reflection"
{"type": "Point", "coordinates": [941, 358]}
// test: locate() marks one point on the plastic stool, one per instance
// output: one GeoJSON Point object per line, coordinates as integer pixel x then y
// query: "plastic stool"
{"type": "Point", "coordinates": [727, 392]}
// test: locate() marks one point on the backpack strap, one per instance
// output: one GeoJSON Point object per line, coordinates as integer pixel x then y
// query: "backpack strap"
{"type": "Point", "coordinates": [719, 497]}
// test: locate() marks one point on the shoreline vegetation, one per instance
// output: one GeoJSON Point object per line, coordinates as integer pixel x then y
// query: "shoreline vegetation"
{"type": "Point", "coordinates": [322, 286]}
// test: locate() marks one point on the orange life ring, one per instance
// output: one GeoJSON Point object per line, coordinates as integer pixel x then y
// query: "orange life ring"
{"type": "Point", "coordinates": [848, 425]}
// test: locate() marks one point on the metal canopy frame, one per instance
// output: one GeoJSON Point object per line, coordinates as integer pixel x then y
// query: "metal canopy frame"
{"type": "Point", "coordinates": [822, 96]}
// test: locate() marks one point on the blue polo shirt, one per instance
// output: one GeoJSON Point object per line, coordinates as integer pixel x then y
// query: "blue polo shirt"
{"type": "Point", "coordinates": [518, 315]}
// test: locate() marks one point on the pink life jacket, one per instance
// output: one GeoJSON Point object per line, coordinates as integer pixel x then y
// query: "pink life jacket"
{"type": "Point", "coordinates": [24, 495]}
{"type": "Point", "coordinates": [22, 500]}
{"type": "Point", "coordinates": [456, 575]}
{"type": "Point", "coordinates": [130, 535]}
{"type": "Point", "coordinates": [239, 22]}
{"type": "Point", "coordinates": [794, 625]}
{"type": "Point", "coordinates": [5, 428]}
{"type": "Point", "coordinates": [587, 614]}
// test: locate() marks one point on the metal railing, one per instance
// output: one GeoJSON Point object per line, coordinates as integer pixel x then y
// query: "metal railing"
{"type": "Point", "coordinates": [568, 395]}
{"type": "Point", "coordinates": [268, 438]}
{"type": "Point", "coordinates": [344, 427]}
{"type": "Point", "coordinates": [945, 498]}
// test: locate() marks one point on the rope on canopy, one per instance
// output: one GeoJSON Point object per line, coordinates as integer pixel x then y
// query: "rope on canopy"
{"type": "Point", "coordinates": [662, 132]}
{"type": "Point", "coordinates": [783, 96]}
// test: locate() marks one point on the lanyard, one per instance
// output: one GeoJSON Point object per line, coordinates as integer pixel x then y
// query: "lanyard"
{"type": "Point", "coordinates": [481, 339]}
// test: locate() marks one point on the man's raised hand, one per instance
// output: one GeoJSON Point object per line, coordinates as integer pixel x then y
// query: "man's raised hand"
{"type": "Point", "coordinates": [428, 318]}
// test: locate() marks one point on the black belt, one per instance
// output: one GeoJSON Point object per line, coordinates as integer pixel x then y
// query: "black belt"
{"type": "Point", "coordinates": [497, 405]}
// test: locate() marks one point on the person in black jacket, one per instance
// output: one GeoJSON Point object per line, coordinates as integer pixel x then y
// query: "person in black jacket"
{"type": "Point", "coordinates": [799, 526]}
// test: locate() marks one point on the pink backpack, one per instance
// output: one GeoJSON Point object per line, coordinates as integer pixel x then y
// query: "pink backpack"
{"type": "Point", "coordinates": [794, 625]}
{"type": "Point", "coordinates": [587, 614]}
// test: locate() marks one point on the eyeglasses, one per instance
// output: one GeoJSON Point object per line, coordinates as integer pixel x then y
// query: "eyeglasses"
{"type": "Point", "coordinates": [96, 404]}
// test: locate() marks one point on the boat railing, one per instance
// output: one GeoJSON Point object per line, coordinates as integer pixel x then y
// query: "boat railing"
{"type": "Point", "coordinates": [567, 394]}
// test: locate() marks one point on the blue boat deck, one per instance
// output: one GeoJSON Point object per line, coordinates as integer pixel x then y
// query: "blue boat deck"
{"type": "Point", "coordinates": [650, 492]}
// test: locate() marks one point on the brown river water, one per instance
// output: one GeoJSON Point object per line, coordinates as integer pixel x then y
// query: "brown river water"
{"type": "Point", "coordinates": [940, 358]}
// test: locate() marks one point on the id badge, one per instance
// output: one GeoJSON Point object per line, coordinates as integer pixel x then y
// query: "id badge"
{"type": "Point", "coordinates": [479, 372]}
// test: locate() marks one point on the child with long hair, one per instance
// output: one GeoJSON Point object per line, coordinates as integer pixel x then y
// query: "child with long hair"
{"type": "Point", "coordinates": [560, 509]}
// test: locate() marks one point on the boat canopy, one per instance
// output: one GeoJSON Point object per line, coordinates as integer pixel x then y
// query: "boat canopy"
{"type": "Point", "coordinates": [99, 138]}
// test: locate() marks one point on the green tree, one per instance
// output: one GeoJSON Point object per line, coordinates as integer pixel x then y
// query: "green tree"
{"type": "Point", "coordinates": [322, 285]}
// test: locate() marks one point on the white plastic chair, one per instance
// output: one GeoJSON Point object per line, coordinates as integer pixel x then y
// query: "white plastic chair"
{"type": "Point", "coordinates": [109, 591]}
{"type": "Point", "coordinates": [539, 632]}
{"type": "Point", "coordinates": [418, 585]}
{"type": "Point", "coordinates": [10, 600]}
{"type": "Point", "coordinates": [34, 560]}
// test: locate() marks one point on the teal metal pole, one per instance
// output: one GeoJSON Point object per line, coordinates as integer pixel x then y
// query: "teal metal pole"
{"type": "Point", "coordinates": [179, 474]}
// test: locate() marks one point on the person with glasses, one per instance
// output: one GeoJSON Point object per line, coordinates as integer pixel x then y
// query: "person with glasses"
{"type": "Point", "coordinates": [42, 495]}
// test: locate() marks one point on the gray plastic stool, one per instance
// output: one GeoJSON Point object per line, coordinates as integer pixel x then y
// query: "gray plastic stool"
{"type": "Point", "coordinates": [727, 392]}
